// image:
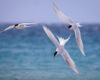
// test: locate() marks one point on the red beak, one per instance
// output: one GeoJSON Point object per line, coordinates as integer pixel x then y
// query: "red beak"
{"type": "Point", "coordinates": [54, 57]}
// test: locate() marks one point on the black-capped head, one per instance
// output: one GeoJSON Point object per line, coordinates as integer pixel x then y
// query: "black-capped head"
{"type": "Point", "coordinates": [69, 27]}
{"type": "Point", "coordinates": [16, 24]}
{"type": "Point", "coordinates": [55, 54]}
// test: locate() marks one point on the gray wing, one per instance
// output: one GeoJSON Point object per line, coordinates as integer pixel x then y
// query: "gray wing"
{"type": "Point", "coordinates": [10, 27]}
{"type": "Point", "coordinates": [62, 16]}
{"type": "Point", "coordinates": [69, 61]}
{"type": "Point", "coordinates": [51, 36]}
{"type": "Point", "coordinates": [79, 40]}
{"type": "Point", "coordinates": [28, 23]}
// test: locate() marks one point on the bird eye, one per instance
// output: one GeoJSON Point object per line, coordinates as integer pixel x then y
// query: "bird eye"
{"type": "Point", "coordinates": [55, 53]}
{"type": "Point", "coordinates": [16, 24]}
{"type": "Point", "coordinates": [69, 26]}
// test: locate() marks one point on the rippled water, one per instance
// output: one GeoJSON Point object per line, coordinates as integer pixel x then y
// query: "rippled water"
{"type": "Point", "coordinates": [27, 54]}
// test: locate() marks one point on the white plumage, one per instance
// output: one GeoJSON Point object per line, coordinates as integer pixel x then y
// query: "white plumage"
{"type": "Point", "coordinates": [60, 48]}
{"type": "Point", "coordinates": [74, 27]}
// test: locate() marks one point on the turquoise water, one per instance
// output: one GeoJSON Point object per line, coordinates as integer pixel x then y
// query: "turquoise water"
{"type": "Point", "coordinates": [27, 54]}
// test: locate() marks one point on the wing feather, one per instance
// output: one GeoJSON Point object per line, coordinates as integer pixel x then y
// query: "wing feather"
{"type": "Point", "coordinates": [51, 36]}
{"type": "Point", "coordinates": [69, 61]}
{"type": "Point", "coordinates": [62, 16]}
{"type": "Point", "coordinates": [28, 23]}
{"type": "Point", "coordinates": [79, 40]}
{"type": "Point", "coordinates": [10, 27]}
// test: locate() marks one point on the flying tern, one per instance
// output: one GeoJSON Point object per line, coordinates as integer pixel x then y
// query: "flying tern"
{"type": "Point", "coordinates": [72, 26]}
{"type": "Point", "coordinates": [60, 48]}
{"type": "Point", "coordinates": [18, 26]}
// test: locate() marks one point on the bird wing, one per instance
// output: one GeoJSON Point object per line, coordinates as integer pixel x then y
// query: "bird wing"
{"type": "Point", "coordinates": [28, 23]}
{"type": "Point", "coordinates": [79, 40]}
{"type": "Point", "coordinates": [69, 61]}
{"type": "Point", "coordinates": [10, 27]}
{"type": "Point", "coordinates": [51, 36]}
{"type": "Point", "coordinates": [62, 16]}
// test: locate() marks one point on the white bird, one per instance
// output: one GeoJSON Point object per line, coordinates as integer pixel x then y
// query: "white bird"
{"type": "Point", "coordinates": [72, 26]}
{"type": "Point", "coordinates": [60, 48]}
{"type": "Point", "coordinates": [18, 26]}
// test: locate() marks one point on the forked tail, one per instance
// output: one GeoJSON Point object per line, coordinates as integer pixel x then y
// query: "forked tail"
{"type": "Point", "coordinates": [63, 41]}
{"type": "Point", "coordinates": [78, 24]}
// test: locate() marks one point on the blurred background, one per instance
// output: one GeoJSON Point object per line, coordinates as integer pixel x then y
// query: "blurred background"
{"type": "Point", "coordinates": [41, 11]}
{"type": "Point", "coordinates": [27, 54]}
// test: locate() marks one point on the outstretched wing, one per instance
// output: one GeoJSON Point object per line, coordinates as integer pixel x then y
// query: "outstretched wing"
{"type": "Point", "coordinates": [69, 61]}
{"type": "Point", "coordinates": [62, 16]}
{"type": "Point", "coordinates": [28, 23]}
{"type": "Point", "coordinates": [51, 36]}
{"type": "Point", "coordinates": [79, 40]}
{"type": "Point", "coordinates": [10, 27]}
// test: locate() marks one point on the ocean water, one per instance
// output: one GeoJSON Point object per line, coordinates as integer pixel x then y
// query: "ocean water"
{"type": "Point", "coordinates": [27, 54]}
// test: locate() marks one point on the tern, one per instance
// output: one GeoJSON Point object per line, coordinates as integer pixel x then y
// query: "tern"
{"type": "Point", "coordinates": [72, 26]}
{"type": "Point", "coordinates": [60, 48]}
{"type": "Point", "coordinates": [18, 26]}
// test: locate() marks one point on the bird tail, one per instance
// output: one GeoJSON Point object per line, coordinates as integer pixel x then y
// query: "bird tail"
{"type": "Point", "coordinates": [78, 24]}
{"type": "Point", "coordinates": [63, 41]}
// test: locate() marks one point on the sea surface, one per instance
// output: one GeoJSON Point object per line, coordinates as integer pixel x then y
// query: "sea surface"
{"type": "Point", "coordinates": [27, 54]}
